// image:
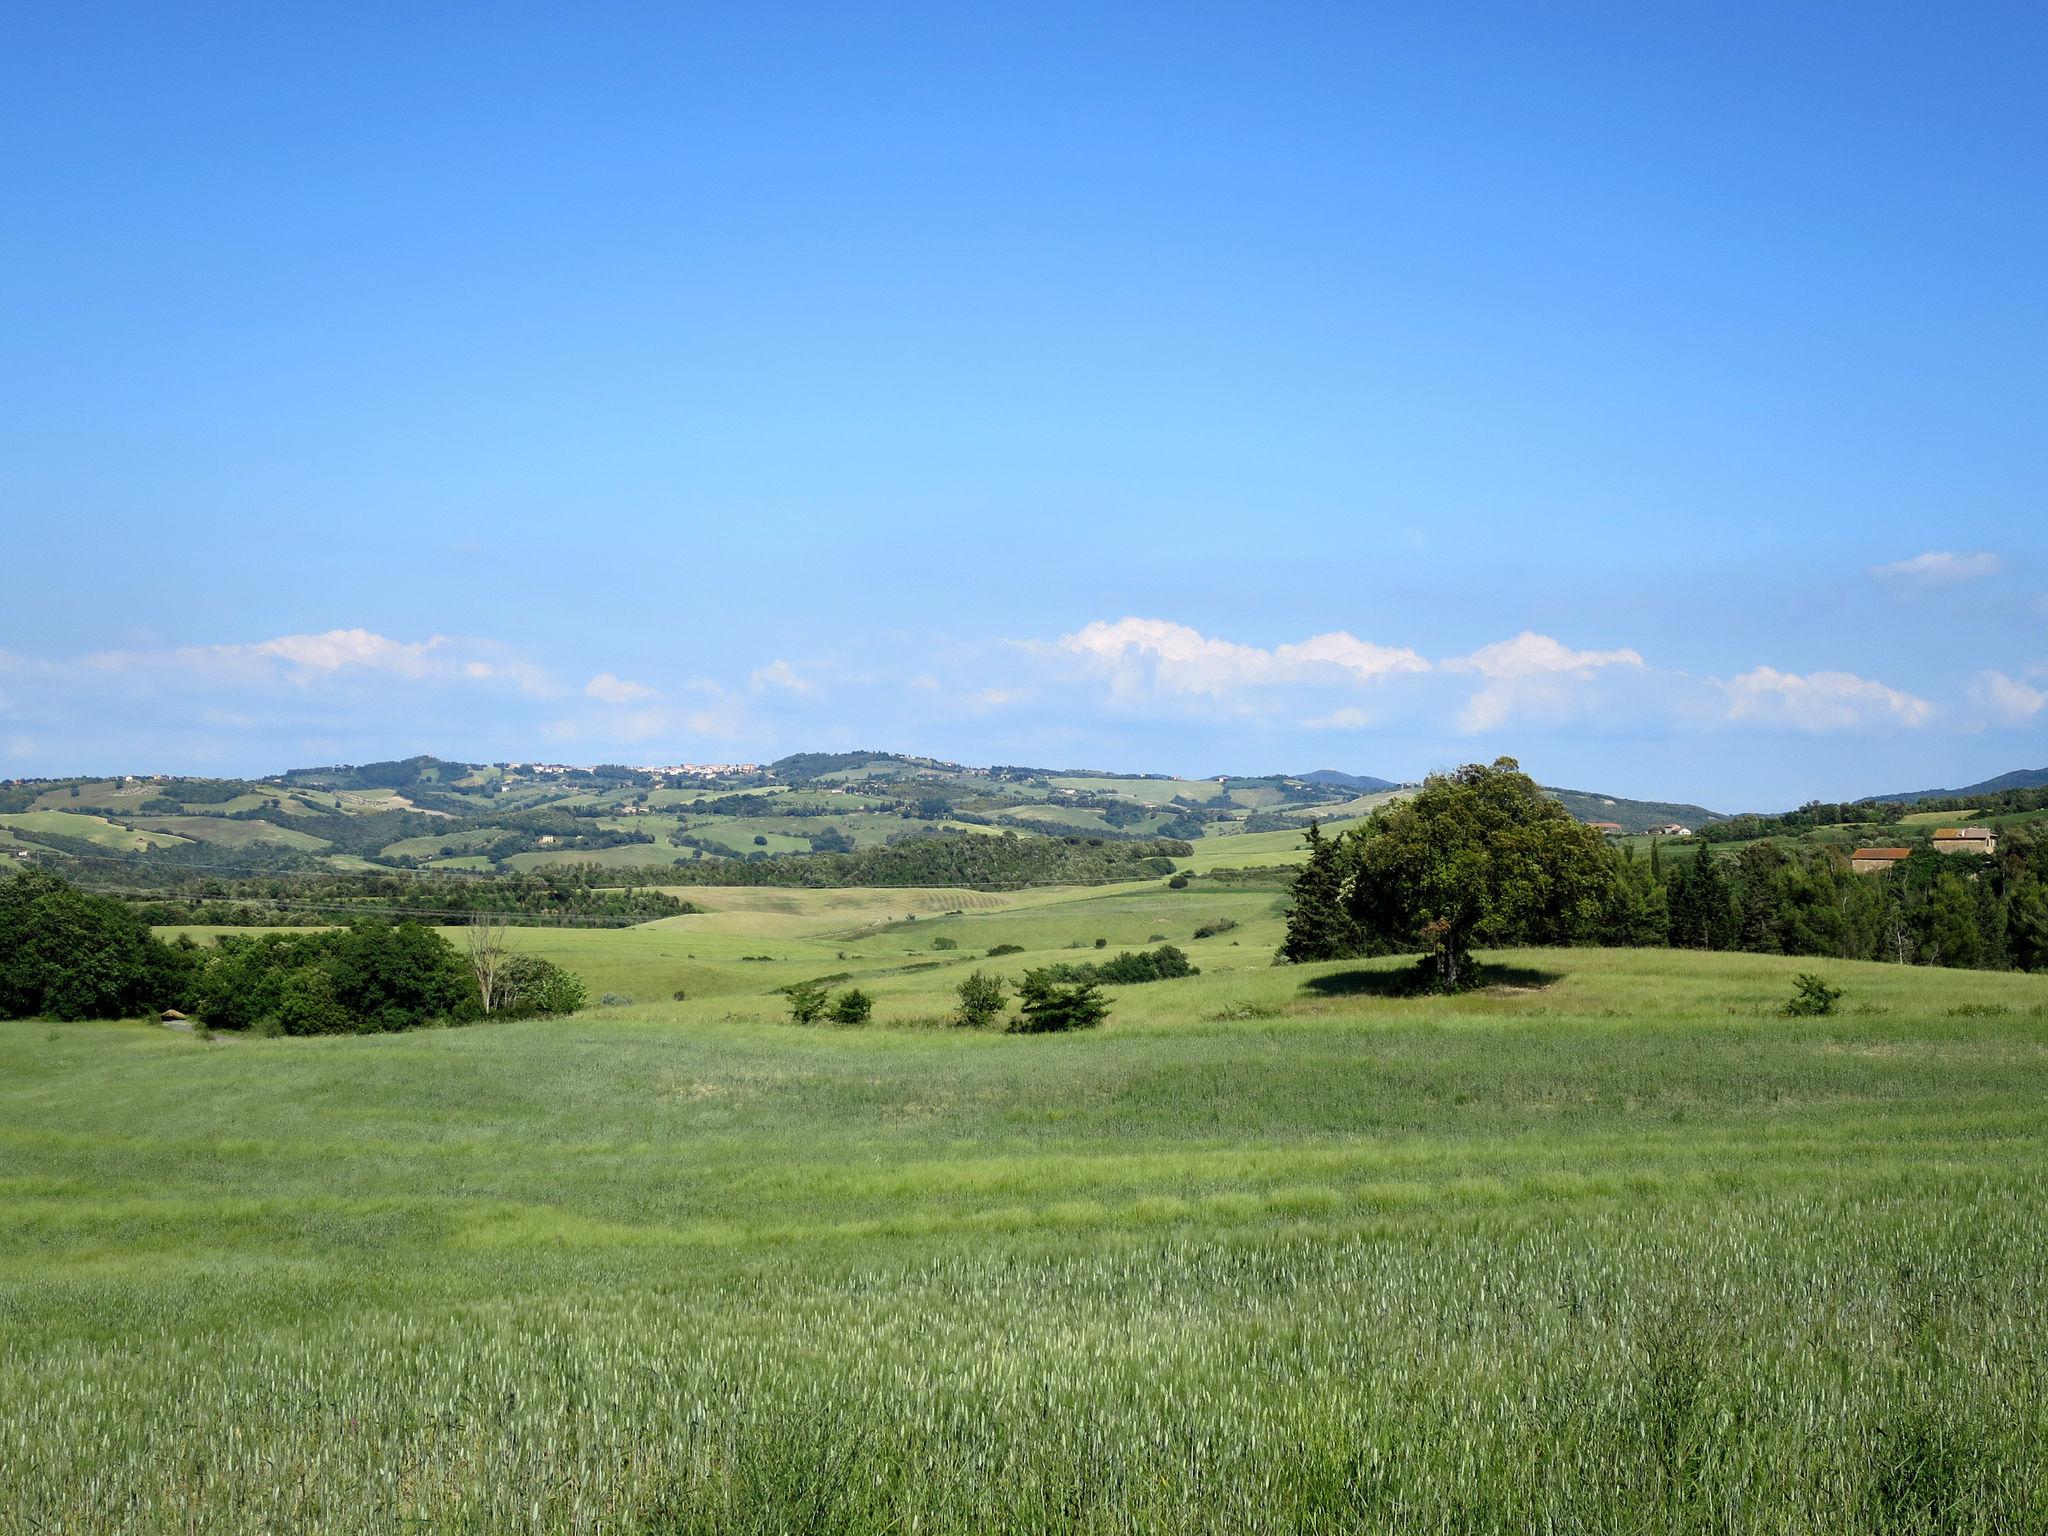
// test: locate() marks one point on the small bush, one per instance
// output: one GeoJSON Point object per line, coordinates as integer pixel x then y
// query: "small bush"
{"type": "Point", "coordinates": [1812, 997]}
{"type": "Point", "coordinates": [530, 987]}
{"type": "Point", "coordinates": [852, 1006]}
{"type": "Point", "coordinates": [1006, 949]}
{"type": "Point", "coordinates": [1161, 964]}
{"type": "Point", "coordinates": [1102, 943]}
{"type": "Point", "coordinates": [982, 1000]}
{"type": "Point", "coordinates": [1046, 1006]}
{"type": "Point", "coordinates": [1210, 929]}
{"type": "Point", "coordinates": [1238, 1012]}
{"type": "Point", "coordinates": [681, 996]}
{"type": "Point", "coordinates": [943, 942]}
{"type": "Point", "coordinates": [806, 1001]}
{"type": "Point", "coordinates": [1177, 883]}
{"type": "Point", "coordinates": [1155, 938]}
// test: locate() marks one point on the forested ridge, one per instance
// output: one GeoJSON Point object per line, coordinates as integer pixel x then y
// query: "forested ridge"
{"type": "Point", "coordinates": [1478, 858]}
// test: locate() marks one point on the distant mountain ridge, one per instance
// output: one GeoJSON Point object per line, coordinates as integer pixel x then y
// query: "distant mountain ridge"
{"type": "Point", "coordinates": [2019, 778]}
{"type": "Point", "coordinates": [1631, 815]}
{"type": "Point", "coordinates": [1331, 778]}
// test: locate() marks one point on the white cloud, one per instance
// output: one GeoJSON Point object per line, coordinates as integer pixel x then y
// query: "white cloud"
{"type": "Point", "coordinates": [609, 689]}
{"type": "Point", "coordinates": [2008, 700]}
{"type": "Point", "coordinates": [779, 674]}
{"type": "Point", "coordinates": [1939, 567]}
{"type": "Point", "coordinates": [1140, 654]}
{"type": "Point", "coordinates": [1819, 701]}
{"type": "Point", "coordinates": [1531, 672]}
{"type": "Point", "coordinates": [339, 648]}
{"type": "Point", "coordinates": [306, 660]}
{"type": "Point", "coordinates": [1534, 655]}
{"type": "Point", "coordinates": [1339, 720]}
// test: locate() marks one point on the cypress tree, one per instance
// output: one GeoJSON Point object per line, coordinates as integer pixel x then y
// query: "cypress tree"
{"type": "Point", "coordinates": [1319, 925]}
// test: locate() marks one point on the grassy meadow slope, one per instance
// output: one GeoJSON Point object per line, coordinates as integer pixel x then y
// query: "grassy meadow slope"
{"type": "Point", "coordinates": [1609, 1246]}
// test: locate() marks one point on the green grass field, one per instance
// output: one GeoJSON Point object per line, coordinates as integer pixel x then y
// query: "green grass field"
{"type": "Point", "coordinates": [1610, 1246]}
{"type": "Point", "coordinates": [93, 829]}
{"type": "Point", "coordinates": [230, 834]}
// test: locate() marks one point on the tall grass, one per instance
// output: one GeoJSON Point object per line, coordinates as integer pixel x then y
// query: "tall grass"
{"type": "Point", "coordinates": [1617, 1248]}
{"type": "Point", "coordinates": [1805, 1366]}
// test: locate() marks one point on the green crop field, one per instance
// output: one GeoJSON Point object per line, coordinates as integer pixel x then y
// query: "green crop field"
{"type": "Point", "coordinates": [1146, 791]}
{"type": "Point", "coordinates": [93, 829]}
{"type": "Point", "coordinates": [1609, 1246]}
{"type": "Point", "coordinates": [230, 834]}
{"type": "Point", "coordinates": [1247, 850]}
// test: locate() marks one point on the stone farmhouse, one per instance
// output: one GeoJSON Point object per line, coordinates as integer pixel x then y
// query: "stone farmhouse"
{"type": "Point", "coordinates": [1965, 840]}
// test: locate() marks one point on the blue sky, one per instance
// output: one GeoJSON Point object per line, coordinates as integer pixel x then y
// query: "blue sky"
{"type": "Point", "coordinates": [1655, 395]}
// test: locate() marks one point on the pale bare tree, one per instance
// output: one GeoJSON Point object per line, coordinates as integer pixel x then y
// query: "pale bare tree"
{"type": "Point", "coordinates": [488, 953]}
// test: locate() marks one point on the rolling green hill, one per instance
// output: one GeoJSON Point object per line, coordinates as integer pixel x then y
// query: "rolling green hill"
{"type": "Point", "coordinates": [702, 825]}
{"type": "Point", "coordinates": [2019, 778]}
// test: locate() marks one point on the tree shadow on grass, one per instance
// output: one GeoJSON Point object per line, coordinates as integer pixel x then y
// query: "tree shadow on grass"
{"type": "Point", "coordinates": [1414, 981]}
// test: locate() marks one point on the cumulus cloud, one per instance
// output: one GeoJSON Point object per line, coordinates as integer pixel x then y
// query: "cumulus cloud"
{"type": "Point", "coordinates": [1819, 701]}
{"type": "Point", "coordinates": [609, 689]}
{"type": "Point", "coordinates": [338, 648]}
{"type": "Point", "coordinates": [1156, 654]}
{"type": "Point", "coordinates": [779, 675]}
{"type": "Point", "coordinates": [2008, 700]}
{"type": "Point", "coordinates": [1532, 673]}
{"type": "Point", "coordinates": [306, 660]}
{"type": "Point", "coordinates": [1939, 567]}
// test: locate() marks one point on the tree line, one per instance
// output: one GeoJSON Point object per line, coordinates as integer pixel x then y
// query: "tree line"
{"type": "Point", "coordinates": [977, 861]}
{"type": "Point", "coordinates": [1482, 858]}
{"type": "Point", "coordinates": [1868, 813]}
{"type": "Point", "coordinates": [72, 954]}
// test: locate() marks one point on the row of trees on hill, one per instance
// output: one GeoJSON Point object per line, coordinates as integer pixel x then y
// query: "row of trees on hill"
{"type": "Point", "coordinates": [1868, 813]}
{"type": "Point", "coordinates": [982, 861]}
{"type": "Point", "coordinates": [557, 895]}
{"type": "Point", "coordinates": [71, 954]}
{"type": "Point", "coordinates": [1482, 858]}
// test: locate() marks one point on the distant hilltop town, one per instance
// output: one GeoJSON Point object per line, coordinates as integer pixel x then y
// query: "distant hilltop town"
{"type": "Point", "coordinates": [655, 770]}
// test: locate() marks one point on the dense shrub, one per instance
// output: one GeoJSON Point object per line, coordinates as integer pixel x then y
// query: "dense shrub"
{"type": "Point", "coordinates": [981, 1000]}
{"type": "Point", "coordinates": [1125, 969]}
{"type": "Point", "coordinates": [1047, 1005]}
{"type": "Point", "coordinates": [852, 1006]}
{"type": "Point", "coordinates": [806, 1001]}
{"type": "Point", "coordinates": [1161, 964]}
{"type": "Point", "coordinates": [1214, 926]}
{"type": "Point", "coordinates": [1812, 997]}
{"type": "Point", "coordinates": [369, 978]}
{"type": "Point", "coordinates": [530, 987]}
{"type": "Point", "coordinates": [65, 954]}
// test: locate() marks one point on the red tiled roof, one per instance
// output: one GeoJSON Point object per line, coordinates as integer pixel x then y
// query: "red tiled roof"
{"type": "Point", "coordinates": [1883, 853]}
